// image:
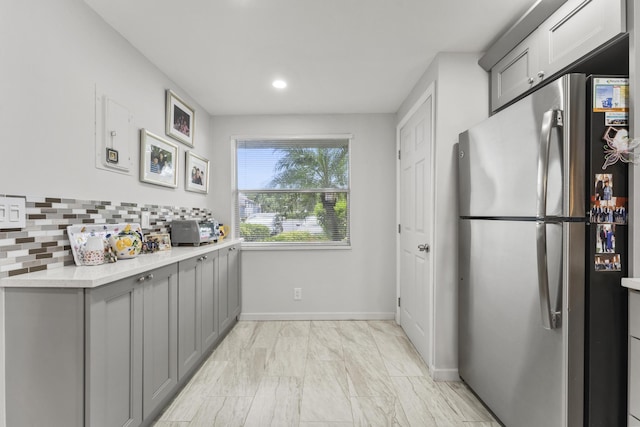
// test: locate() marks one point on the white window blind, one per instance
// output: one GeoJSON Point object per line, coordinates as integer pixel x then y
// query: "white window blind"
{"type": "Point", "coordinates": [293, 191]}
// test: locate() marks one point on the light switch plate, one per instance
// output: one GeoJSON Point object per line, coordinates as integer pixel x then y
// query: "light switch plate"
{"type": "Point", "coordinates": [13, 213]}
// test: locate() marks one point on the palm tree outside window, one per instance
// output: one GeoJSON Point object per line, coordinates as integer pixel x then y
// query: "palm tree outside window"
{"type": "Point", "coordinates": [293, 191]}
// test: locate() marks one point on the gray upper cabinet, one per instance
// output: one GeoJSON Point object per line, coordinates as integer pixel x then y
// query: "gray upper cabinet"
{"type": "Point", "coordinates": [160, 337]}
{"type": "Point", "coordinates": [576, 29]}
{"type": "Point", "coordinates": [189, 315]}
{"type": "Point", "coordinates": [114, 354]}
{"type": "Point", "coordinates": [514, 74]}
{"type": "Point", "coordinates": [570, 34]}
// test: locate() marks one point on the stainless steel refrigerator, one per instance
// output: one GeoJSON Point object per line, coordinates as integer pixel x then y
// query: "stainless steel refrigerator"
{"type": "Point", "coordinates": [542, 315]}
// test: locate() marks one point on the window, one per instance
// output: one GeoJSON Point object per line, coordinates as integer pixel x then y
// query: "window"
{"type": "Point", "coordinates": [293, 191]}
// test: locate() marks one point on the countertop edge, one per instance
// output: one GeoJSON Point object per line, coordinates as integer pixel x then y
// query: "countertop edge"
{"type": "Point", "coordinates": [93, 276]}
{"type": "Point", "coordinates": [631, 283]}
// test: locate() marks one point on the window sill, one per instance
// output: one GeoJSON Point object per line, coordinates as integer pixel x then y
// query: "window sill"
{"type": "Point", "coordinates": [292, 247]}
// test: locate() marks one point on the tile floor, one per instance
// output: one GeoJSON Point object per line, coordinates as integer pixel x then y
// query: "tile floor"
{"type": "Point", "coordinates": [320, 374]}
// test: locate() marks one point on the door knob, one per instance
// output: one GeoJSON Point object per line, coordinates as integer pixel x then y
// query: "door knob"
{"type": "Point", "coordinates": [424, 248]}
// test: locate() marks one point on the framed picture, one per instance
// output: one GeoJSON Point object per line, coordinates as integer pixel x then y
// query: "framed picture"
{"type": "Point", "coordinates": [158, 160]}
{"type": "Point", "coordinates": [162, 241]}
{"type": "Point", "coordinates": [197, 173]}
{"type": "Point", "coordinates": [181, 119]}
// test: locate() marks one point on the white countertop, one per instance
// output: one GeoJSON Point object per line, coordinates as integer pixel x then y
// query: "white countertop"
{"type": "Point", "coordinates": [631, 283]}
{"type": "Point", "coordinates": [91, 276]}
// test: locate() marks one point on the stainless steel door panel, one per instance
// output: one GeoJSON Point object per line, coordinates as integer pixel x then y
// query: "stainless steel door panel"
{"type": "Point", "coordinates": [505, 355]}
{"type": "Point", "coordinates": [498, 159]}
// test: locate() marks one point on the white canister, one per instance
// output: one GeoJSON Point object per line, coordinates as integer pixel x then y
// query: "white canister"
{"type": "Point", "coordinates": [93, 253]}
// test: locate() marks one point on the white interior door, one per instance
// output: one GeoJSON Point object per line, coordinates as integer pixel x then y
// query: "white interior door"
{"type": "Point", "coordinates": [416, 212]}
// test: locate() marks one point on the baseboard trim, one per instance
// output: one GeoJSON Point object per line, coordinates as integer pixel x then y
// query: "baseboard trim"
{"type": "Point", "coordinates": [444, 374]}
{"type": "Point", "coordinates": [317, 316]}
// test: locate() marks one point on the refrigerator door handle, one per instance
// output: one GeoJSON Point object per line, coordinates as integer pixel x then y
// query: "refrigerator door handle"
{"type": "Point", "coordinates": [550, 319]}
{"type": "Point", "coordinates": [550, 120]}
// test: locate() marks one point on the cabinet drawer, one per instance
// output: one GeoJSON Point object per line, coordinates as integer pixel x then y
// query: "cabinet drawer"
{"type": "Point", "coordinates": [634, 377]}
{"type": "Point", "coordinates": [634, 314]}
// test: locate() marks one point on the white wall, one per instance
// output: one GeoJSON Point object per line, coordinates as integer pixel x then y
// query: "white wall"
{"type": "Point", "coordinates": [54, 53]}
{"type": "Point", "coordinates": [52, 56]}
{"type": "Point", "coordinates": [462, 100]}
{"type": "Point", "coordinates": [355, 283]}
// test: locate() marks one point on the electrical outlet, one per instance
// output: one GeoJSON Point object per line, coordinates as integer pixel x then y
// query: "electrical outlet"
{"type": "Point", "coordinates": [145, 219]}
{"type": "Point", "coordinates": [297, 294]}
{"type": "Point", "coordinates": [12, 212]}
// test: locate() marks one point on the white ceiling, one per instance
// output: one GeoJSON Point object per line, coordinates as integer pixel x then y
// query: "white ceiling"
{"type": "Point", "coordinates": [338, 56]}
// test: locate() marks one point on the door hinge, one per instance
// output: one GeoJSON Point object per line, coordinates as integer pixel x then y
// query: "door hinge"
{"type": "Point", "coordinates": [398, 301]}
{"type": "Point", "coordinates": [399, 228]}
{"type": "Point", "coordinates": [399, 156]}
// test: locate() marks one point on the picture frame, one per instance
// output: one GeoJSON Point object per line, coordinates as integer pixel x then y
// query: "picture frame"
{"type": "Point", "coordinates": [196, 173]}
{"type": "Point", "coordinates": [162, 240]}
{"type": "Point", "coordinates": [158, 160]}
{"type": "Point", "coordinates": [180, 119]}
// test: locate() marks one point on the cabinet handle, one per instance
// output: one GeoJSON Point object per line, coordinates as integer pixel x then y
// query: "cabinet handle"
{"type": "Point", "coordinates": [531, 80]}
{"type": "Point", "coordinates": [141, 279]}
{"type": "Point", "coordinates": [150, 276]}
{"type": "Point", "coordinates": [205, 257]}
{"type": "Point", "coordinates": [541, 74]}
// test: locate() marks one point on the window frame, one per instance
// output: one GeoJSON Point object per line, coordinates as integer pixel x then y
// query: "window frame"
{"type": "Point", "coordinates": [235, 211]}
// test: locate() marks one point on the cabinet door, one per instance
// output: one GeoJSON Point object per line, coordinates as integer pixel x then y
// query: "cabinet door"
{"type": "Point", "coordinates": [160, 335]}
{"type": "Point", "coordinates": [209, 268]}
{"type": "Point", "coordinates": [189, 315]}
{"type": "Point", "coordinates": [233, 280]}
{"type": "Point", "coordinates": [634, 377]}
{"type": "Point", "coordinates": [577, 28]}
{"type": "Point", "coordinates": [114, 354]}
{"type": "Point", "coordinates": [515, 73]}
{"type": "Point", "coordinates": [224, 318]}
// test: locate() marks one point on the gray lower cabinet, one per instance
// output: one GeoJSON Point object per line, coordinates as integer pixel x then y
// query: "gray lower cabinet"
{"type": "Point", "coordinates": [229, 286]}
{"type": "Point", "coordinates": [114, 354]}
{"type": "Point", "coordinates": [131, 347]}
{"type": "Point", "coordinates": [634, 358]}
{"type": "Point", "coordinates": [189, 315]}
{"type": "Point", "coordinates": [197, 308]}
{"type": "Point", "coordinates": [209, 280]}
{"type": "Point", "coordinates": [233, 281]}
{"type": "Point", "coordinates": [160, 337]}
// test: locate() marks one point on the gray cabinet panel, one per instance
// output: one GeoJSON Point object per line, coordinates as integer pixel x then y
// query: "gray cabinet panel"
{"type": "Point", "coordinates": [189, 315]}
{"type": "Point", "coordinates": [209, 282]}
{"type": "Point", "coordinates": [515, 73]}
{"type": "Point", "coordinates": [114, 354]}
{"type": "Point", "coordinates": [160, 342]}
{"type": "Point", "coordinates": [233, 280]}
{"type": "Point", "coordinates": [224, 318]}
{"type": "Point", "coordinates": [44, 357]}
{"type": "Point", "coordinates": [595, 21]}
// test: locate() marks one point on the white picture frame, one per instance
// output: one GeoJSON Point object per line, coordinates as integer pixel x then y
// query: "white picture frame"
{"type": "Point", "coordinates": [196, 173]}
{"type": "Point", "coordinates": [180, 122]}
{"type": "Point", "coordinates": [158, 160]}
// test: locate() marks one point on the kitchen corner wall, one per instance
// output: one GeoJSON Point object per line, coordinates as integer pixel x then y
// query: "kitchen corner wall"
{"type": "Point", "coordinates": [358, 283]}
{"type": "Point", "coordinates": [461, 101]}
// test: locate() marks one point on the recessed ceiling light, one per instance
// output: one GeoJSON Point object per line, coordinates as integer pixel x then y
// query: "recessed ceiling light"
{"type": "Point", "coordinates": [279, 84]}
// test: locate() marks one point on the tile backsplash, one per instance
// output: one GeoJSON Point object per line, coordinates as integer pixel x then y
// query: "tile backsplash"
{"type": "Point", "coordinates": [44, 244]}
